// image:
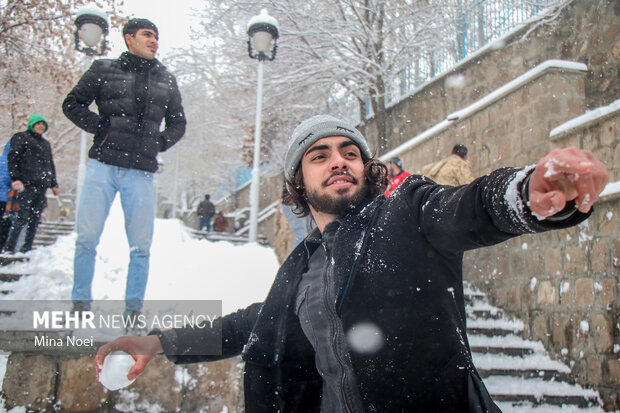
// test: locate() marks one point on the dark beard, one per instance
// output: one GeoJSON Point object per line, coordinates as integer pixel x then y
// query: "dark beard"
{"type": "Point", "coordinates": [336, 205]}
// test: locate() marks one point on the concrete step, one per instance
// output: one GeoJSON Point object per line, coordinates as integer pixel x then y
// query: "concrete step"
{"type": "Point", "coordinates": [471, 295]}
{"type": "Point", "coordinates": [535, 365]}
{"type": "Point", "coordinates": [554, 400]}
{"type": "Point", "coordinates": [528, 407]}
{"type": "Point", "coordinates": [524, 373]}
{"type": "Point", "coordinates": [43, 236]}
{"type": "Point", "coordinates": [11, 277]}
{"type": "Point", "coordinates": [491, 328]}
{"type": "Point", "coordinates": [53, 231]}
{"type": "Point", "coordinates": [58, 224]}
{"type": "Point", "coordinates": [510, 345]}
{"type": "Point", "coordinates": [224, 236]}
{"type": "Point", "coordinates": [6, 259]}
{"type": "Point", "coordinates": [45, 243]}
{"type": "Point", "coordinates": [537, 391]}
{"type": "Point", "coordinates": [479, 313]}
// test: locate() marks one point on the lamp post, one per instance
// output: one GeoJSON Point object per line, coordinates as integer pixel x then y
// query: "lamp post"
{"type": "Point", "coordinates": [262, 44]}
{"type": "Point", "coordinates": [91, 27]}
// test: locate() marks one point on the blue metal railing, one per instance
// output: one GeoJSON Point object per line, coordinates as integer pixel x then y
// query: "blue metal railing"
{"type": "Point", "coordinates": [476, 24]}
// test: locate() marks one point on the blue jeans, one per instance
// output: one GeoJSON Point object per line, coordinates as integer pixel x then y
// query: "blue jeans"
{"type": "Point", "coordinates": [204, 222]}
{"type": "Point", "coordinates": [101, 184]}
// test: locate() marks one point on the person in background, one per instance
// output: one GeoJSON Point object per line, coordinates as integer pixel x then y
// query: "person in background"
{"type": "Point", "coordinates": [367, 314]}
{"type": "Point", "coordinates": [220, 222]}
{"type": "Point", "coordinates": [453, 170]}
{"type": "Point", "coordinates": [5, 187]}
{"type": "Point", "coordinates": [32, 172]}
{"type": "Point", "coordinates": [134, 94]}
{"type": "Point", "coordinates": [205, 212]}
{"type": "Point", "coordinates": [397, 174]}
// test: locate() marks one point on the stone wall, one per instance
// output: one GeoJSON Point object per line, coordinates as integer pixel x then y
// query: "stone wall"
{"type": "Point", "coordinates": [587, 31]}
{"type": "Point", "coordinates": [66, 384]}
{"type": "Point", "coordinates": [511, 131]}
{"type": "Point", "coordinates": [269, 192]}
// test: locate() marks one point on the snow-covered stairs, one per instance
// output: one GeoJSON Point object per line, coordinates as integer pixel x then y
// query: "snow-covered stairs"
{"type": "Point", "coordinates": [519, 374]}
{"type": "Point", "coordinates": [49, 231]}
{"type": "Point", "coordinates": [224, 236]}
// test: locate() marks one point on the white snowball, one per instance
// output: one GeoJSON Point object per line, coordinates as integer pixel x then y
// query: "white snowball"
{"type": "Point", "coordinates": [365, 338]}
{"type": "Point", "coordinates": [114, 371]}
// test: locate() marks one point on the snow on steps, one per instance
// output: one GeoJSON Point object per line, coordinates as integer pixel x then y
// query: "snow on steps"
{"type": "Point", "coordinates": [519, 374]}
{"type": "Point", "coordinates": [224, 236]}
{"type": "Point", "coordinates": [47, 233]}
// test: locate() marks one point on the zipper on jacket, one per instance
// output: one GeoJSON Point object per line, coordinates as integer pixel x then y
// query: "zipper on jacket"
{"type": "Point", "coordinates": [333, 319]}
{"type": "Point", "coordinates": [104, 140]}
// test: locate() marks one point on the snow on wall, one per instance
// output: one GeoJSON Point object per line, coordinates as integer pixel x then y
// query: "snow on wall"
{"type": "Point", "coordinates": [611, 188]}
{"type": "Point", "coordinates": [588, 118]}
{"type": "Point", "coordinates": [486, 101]}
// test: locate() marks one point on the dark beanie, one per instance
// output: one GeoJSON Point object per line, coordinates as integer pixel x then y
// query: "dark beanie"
{"type": "Point", "coordinates": [135, 24]}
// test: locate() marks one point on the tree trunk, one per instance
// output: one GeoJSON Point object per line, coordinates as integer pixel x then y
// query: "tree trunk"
{"type": "Point", "coordinates": [378, 101]}
{"type": "Point", "coordinates": [378, 107]}
{"type": "Point", "coordinates": [362, 125]}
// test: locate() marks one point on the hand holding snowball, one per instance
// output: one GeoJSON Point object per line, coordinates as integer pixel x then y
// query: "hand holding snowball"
{"type": "Point", "coordinates": [566, 175]}
{"type": "Point", "coordinates": [114, 371]}
{"type": "Point", "coordinates": [141, 349]}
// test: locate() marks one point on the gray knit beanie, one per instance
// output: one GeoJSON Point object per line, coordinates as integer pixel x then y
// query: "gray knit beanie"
{"type": "Point", "coordinates": [313, 129]}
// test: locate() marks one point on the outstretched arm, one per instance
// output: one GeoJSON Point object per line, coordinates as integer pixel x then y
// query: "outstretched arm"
{"type": "Point", "coordinates": [510, 201]}
{"type": "Point", "coordinates": [177, 343]}
{"type": "Point", "coordinates": [566, 175]}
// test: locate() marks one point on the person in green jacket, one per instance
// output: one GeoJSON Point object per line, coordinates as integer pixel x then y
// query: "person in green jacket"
{"type": "Point", "coordinates": [32, 171]}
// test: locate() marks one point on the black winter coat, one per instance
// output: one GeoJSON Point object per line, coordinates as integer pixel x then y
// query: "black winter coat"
{"type": "Point", "coordinates": [124, 135]}
{"type": "Point", "coordinates": [205, 209]}
{"type": "Point", "coordinates": [30, 160]}
{"type": "Point", "coordinates": [398, 262]}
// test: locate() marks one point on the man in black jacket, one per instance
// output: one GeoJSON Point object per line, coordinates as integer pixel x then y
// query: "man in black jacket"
{"type": "Point", "coordinates": [368, 313]}
{"type": "Point", "coordinates": [134, 93]}
{"type": "Point", "coordinates": [205, 212]}
{"type": "Point", "coordinates": [32, 171]}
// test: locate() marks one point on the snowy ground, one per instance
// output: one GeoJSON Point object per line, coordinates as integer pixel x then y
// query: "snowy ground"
{"type": "Point", "coordinates": [182, 268]}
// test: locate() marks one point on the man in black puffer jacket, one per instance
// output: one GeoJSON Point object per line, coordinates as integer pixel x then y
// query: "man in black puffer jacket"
{"type": "Point", "coordinates": [32, 171]}
{"type": "Point", "coordinates": [367, 314]}
{"type": "Point", "coordinates": [133, 93]}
